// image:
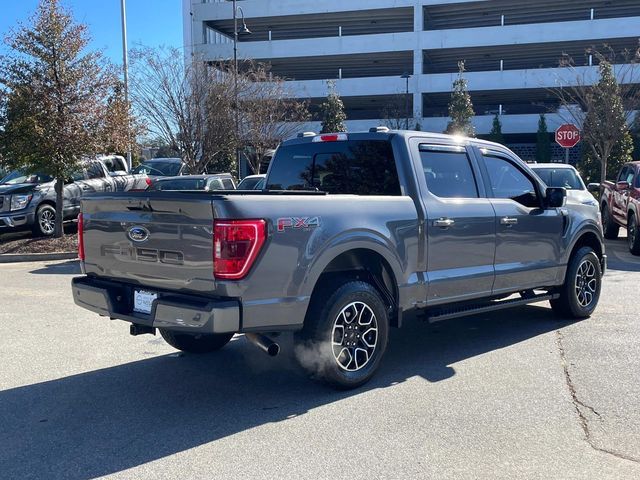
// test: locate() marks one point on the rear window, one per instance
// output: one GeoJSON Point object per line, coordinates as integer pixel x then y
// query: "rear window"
{"type": "Point", "coordinates": [180, 184]}
{"type": "Point", "coordinates": [361, 167]}
{"type": "Point", "coordinates": [167, 169]}
{"type": "Point", "coordinates": [560, 177]}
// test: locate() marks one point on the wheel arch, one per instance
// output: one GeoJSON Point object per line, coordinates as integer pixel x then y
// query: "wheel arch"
{"type": "Point", "coordinates": [366, 262]}
{"type": "Point", "coordinates": [587, 238]}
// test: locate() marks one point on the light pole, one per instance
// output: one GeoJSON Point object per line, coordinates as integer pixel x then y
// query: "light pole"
{"type": "Point", "coordinates": [125, 64]}
{"type": "Point", "coordinates": [236, 33]}
{"type": "Point", "coordinates": [406, 76]}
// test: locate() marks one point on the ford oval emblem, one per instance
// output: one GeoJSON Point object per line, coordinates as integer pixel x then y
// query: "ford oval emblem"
{"type": "Point", "coordinates": [138, 234]}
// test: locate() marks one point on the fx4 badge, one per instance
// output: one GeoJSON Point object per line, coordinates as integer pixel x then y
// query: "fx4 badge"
{"type": "Point", "coordinates": [297, 223]}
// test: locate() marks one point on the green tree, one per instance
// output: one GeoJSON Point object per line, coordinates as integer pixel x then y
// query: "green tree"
{"type": "Point", "coordinates": [55, 97]}
{"type": "Point", "coordinates": [496, 131]}
{"type": "Point", "coordinates": [543, 142]}
{"type": "Point", "coordinates": [332, 111]}
{"type": "Point", "coordinates": [621, 153]}
{"type": "Point", "coordinates": [460, 107]}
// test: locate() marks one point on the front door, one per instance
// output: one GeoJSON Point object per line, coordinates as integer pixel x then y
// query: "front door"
{"type": "Point", "coordinates": [460, 226]}
{"type": "Point", "coordinates": [528, 236]}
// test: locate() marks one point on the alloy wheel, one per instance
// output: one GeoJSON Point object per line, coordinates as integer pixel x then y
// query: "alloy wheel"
{"type": "Point", "coordinates": [355, 336]}
{"type": "Point", "coordinates": [586, 284]}
{"type": "Point", "coordinates": [47, 221]}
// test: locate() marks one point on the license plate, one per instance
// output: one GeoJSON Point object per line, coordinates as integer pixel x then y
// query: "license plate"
{"type": "Point", "coordinates": [142, 301]}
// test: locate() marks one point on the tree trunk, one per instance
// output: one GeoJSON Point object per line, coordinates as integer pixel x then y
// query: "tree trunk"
{"type": "Point", "coordinates": [59, 232]}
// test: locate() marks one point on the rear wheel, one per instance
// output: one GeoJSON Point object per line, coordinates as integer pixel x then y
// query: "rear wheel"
{"type": "Point", "coordinates": [45, 221]}
{"type": "Point", "coordinates": [195, 343]}
{"type": "Point", "coordinates": [609, 227]}
{"type": "Point", "coordinates": [633, 235]}
{"type": "Point", "coordinates": [581, 290]}
{"type": "Point", "coordinates": [345, 335]}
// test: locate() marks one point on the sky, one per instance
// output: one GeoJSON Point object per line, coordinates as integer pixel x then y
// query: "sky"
{"type": "Point", "coordinates": [149, 23]}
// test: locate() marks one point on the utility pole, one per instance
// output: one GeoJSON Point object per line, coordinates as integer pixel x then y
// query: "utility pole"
{"type": "Point", "coordinates": [125, 64]}
{"type": "Point", "coordinates": [235, 85]}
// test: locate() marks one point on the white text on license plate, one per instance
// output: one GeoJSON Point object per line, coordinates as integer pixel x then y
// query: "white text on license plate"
{"type": "Point", "coordinates": [142, 301]}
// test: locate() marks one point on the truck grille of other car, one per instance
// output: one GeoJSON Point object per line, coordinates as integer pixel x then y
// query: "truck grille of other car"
{"type": "Point", "coordinates": [2, 203]}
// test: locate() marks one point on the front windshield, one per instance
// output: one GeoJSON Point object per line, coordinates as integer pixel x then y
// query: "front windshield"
{"type": "Point", "coordinates": [166, 169]}
{"type": "Point", "coordinates": [16, 177]}
{"type": "Point", "coordinates": [560, 177]}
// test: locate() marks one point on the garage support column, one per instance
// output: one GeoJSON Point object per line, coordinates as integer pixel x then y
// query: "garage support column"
{"type": "Point", "coordinates": [415, 82]}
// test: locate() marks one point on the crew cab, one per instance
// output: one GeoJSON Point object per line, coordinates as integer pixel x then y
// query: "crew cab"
{"type": "Point", "coordinates": [351, 232]}
{"type": "Point", "coordinates": [28, 200]}
{"type": "Point", "coordinates": [620, 205]}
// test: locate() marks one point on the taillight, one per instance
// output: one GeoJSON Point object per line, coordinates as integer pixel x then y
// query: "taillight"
{"type": "Point", "coordinates": [148, 181]}
{"type": "Point", "coordinates": [80, 237]}
{"type": "Point", "coordinates": [236, 244]}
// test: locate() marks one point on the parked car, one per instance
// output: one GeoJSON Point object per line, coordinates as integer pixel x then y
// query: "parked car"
{"type": "Point", "coordinates": [352, 232]}
{"type": "Point", "coordinates": [252, 182]}
{"type": "Point", "coordinates": [162, 167]}
{"type": "Point", "coordinates": [216, 181]}
{"type": "Point", "coordinates": [28, 200]}
{"type": "Point", "coordinates": [620, 205]}
{"type": "Point", "coordinates": [566, 176]}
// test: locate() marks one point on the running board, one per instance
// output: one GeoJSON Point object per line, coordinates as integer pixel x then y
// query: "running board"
{"type": "Point", "coordinates": [453, 312]}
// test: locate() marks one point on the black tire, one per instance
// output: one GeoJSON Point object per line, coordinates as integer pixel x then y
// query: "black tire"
{"type": "Point", "coordinates": [44, 221]}
{"type": "Point", "coordinates": [352, 361]}
{"type": "Point", "coordinates": [610, 228]}
{"type": "Point", "coordinates": [190, 343]}
{"type": "Point", "coordinates": [580, 292]}
{"type": "Point", "coordinates": [633, 235]}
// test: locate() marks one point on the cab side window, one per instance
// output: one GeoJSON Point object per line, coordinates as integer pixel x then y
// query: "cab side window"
{"type": "Point", "coordinates": [94, 170]}
{"type": "Point", "coordinates": [448, 172]}
{"type": "Point", "coordinates": [508, 181]}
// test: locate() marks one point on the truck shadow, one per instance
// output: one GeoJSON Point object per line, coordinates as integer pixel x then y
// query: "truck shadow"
{"type": "Point", "coordinates": [619, 257]}
{"type": "Point", "coordinates": [105, 421]}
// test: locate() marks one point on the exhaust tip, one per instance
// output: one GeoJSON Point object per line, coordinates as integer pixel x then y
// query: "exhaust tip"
{"type": "Point", "coordinates": [264, 343]}
{"type": "Point", "coordinates": [273, 350]}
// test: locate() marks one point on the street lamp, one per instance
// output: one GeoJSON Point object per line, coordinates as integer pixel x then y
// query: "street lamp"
{"type": "Point", "coordinates": [125, 64]}
{"type": "Point", "coordinates": [244, 32]}
{"type": "Point", "coordinates": [406, 76]}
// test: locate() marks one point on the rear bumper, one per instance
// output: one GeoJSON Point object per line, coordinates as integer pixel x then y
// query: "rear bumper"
{"type": "Point", "coordinates": [172, 311]}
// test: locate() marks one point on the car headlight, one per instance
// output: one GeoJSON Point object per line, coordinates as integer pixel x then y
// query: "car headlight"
{"type": "Point", "coordinates": [18, 202]}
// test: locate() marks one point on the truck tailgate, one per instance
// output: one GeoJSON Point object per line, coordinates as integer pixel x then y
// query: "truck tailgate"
{"type": "Point", "coordinates": [153, 239]}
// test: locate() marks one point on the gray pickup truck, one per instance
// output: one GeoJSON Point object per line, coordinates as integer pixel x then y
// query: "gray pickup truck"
{"type": "Point", "coordinates": [351, 232]}
{"type": "Point", "coordinates": [28, 200]}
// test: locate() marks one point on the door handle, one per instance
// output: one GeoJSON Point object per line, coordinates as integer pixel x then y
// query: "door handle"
{"type": "Point", "coordinates": [508, 221]}
{"type": "Point", "coordinates": [443, 222]}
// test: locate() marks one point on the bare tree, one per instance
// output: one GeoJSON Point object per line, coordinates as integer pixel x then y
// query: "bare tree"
{"type": "Point", "coordinates": [394, 113]}
{"type": "Point", "coordinates": [192, 107]}
{"type": "Point", "coordinates": [601, 107]}
{"type": "Point", "coordinates": [268, 114]}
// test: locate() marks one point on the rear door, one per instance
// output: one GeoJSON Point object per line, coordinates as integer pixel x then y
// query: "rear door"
{"type": "Point", "coordinates": [528, 237]}
{"type": "Point", "coordinates": [621, 196]}
{"type": "Point", "coordinates": [460, 232]}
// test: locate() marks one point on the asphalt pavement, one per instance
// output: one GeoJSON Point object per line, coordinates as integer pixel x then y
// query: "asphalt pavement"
{"type": "Point", "coordinates": [515, 394]}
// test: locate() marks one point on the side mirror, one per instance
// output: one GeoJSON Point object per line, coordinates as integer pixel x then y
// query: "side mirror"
{"type": "Point", "coordinates": [593, 187]}
{"type": "Point", "coordinates": [555, 197]}
{"type": "Point", "coordinates": [622, 185]}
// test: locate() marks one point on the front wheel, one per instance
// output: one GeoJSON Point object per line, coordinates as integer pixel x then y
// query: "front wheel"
{"type": "Point", "coordinates": [45, 221]}
{"type": "Point", "coordinates": [190, 343]}
{"type": "Point", "coordinates": [580, 292]}
{"type": "Point", "coordinates": [345, 335]}
{"type": "Point", "coordinates": [633, 235]}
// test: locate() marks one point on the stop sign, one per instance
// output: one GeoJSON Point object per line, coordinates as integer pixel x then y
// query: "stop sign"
{"type": "Point", "coordinates": [567, 135]}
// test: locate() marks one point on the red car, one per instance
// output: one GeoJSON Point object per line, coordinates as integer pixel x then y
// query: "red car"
{"type": "Point", "coordinates": [620, 205]}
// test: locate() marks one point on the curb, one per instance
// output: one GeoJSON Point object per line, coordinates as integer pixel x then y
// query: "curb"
{"type": "Point", "coordinates": [36, 257]}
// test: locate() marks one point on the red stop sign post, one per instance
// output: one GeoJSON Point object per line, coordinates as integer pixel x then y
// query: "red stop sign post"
{"type": "Point", "coordinates": [567, 136]}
